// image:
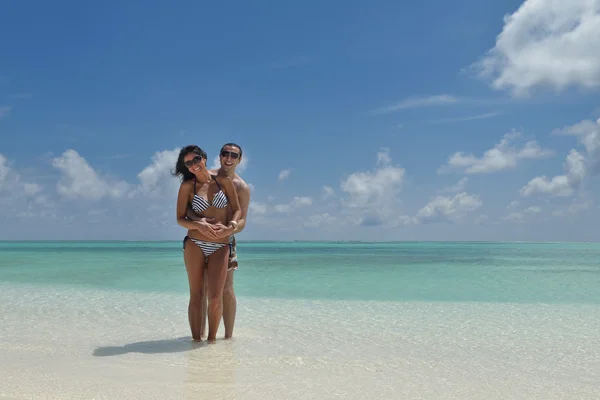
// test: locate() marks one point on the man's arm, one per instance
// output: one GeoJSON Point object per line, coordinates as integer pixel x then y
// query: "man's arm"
{"type": "Point", "coordinates": [191, 215]}
{"type": "Point", "coordinates": [243, 191]}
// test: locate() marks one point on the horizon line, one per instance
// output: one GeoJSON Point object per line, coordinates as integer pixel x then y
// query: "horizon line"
{"type": "Point", "coordinates": [292, 241]}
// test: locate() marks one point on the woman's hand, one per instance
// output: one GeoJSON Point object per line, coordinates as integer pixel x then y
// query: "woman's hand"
{"type": "Point", "coordinates": [207, 229]}
{"type": "Point", "coordinates": [222, 230]}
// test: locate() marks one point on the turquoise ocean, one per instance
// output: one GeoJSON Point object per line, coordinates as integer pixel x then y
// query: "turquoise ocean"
{"type": "Point", "coordinates": [315, 320]}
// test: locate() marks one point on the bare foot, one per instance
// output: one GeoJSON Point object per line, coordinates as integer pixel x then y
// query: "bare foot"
{"type": "Point", "coordinates": [211, 341]}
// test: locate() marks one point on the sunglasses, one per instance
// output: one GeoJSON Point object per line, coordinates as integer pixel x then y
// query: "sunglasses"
{"type": "Point", "coordinates": [193, 161]}
{"type": "Point", "coordinates": [232, 154]}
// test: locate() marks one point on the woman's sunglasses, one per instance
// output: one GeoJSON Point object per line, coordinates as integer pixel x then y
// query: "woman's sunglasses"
{"type": "Point", "coordinates": [193, 161]}
{"type": "Point", "coordinates": [232, 154]}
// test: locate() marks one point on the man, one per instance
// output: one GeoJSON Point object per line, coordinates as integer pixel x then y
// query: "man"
{"type": "Point", "coordinates": [230, 157]}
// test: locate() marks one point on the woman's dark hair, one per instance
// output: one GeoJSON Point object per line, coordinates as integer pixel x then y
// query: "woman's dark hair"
{"type": "Point", "coordinates": [180, 169]}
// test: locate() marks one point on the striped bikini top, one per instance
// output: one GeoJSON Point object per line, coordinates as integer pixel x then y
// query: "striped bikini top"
{"type": "Point", "coordinates": [200, 204]}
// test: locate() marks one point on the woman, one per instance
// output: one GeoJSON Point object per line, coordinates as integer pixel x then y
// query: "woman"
{"type": "Point", "coordinates": [205, 246]}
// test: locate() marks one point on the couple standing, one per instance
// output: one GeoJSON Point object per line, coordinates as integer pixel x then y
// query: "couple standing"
{"type": "Point", "coordinates": [212, 205]}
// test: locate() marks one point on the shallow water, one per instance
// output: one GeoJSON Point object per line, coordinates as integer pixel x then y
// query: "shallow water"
{"type": "Point", "coordinates": [482, 272]}
{"type": "Point", "coordinates": [327, 320]}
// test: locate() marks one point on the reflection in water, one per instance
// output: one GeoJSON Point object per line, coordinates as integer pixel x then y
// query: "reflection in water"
{"type": "Point", "coordinates": [211, 373]}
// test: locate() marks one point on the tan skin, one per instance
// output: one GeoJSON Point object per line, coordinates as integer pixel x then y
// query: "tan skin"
{"type": "Point", "coordinates": [228, 166]}
{"type": "Point", "coordinates": [229, 299]}
{"type": "Point", "coordinates": [195, 261]}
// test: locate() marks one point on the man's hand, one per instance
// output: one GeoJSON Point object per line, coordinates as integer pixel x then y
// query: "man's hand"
{"type": "Point", "coordinates": [222, 230]}
{"type": "Point", "coordinates": [206, 229]}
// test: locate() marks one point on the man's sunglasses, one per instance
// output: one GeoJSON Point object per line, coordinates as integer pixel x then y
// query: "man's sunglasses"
{"type": "Point", "coordinates": [193, 161]}
{"type": "Point", "coordinates": [232, 154]}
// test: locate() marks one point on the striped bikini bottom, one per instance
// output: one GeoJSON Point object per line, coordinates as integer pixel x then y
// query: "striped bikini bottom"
{"type": "Point", "coordinates": [209, 247]}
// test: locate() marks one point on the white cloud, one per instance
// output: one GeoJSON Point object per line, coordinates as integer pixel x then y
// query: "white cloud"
{"type": "Point", "coordinates": [156, 179]}
{"type": "Point", "coordinates": [482, 219]}
{"type": "Point", "coordinates": [31, 189]}
{"type": "Point", "coordinates": [18, 197]}
{"type": "Point", "coordinates": [370, 189]}
{"type": "Point", "coordinates": [514, 216]}
{"type": "Point", "coordinates": [416, 102]}
{"type": "Point", "coordinates": [80, 180]}
{"type": "Point", "coordinates": [243, 165]}
{"type": "Point", "coordinates": [505, 155]}
{"type": "Point", "coordinates": [577, 166]}
{"type": "Point", "coordinates": [11, 183]}
{"type": "Point", "coordinates": [519, 216]}
{"type": "Point", "coordinates": [286, 216]}
{"type": "Point", "coordinates": [405, 220]}
{"type": "Point", "coordinates": [257, 208]}
{"type": "Point", "coordinates": [546, 43]}
{"type": "Point", "coordinates": [560, 185]}
{"type": "Point", "coordinates": [533, 210]}
{"type": "Point", "coordinates": [458, 187]}
{"type": "Point", "coordinates": [4, 169]}
{"type": "Point", "coordinates": [144, 208]}
{"type": "Point", "coordinates": [158, 188]}
{"type": "Point", "coordinates": [284, 174]}
{"type": "Point", "coordinates": [383, 157]}
{"type": "Point", "coordinates": [372, 196]}
{"type": "Point", "coordinates": [328, 192]}
{"type": "Point", "coordinates": [466, 118]}
{"type": "Point", "coordinates": [446, 208]}
{"type": "Point", "coordinates": [319, 220]}
{"type": "Point", "coordinates": [573, 208]}
{"type": "Point", "coordinates": [297, 202]}
{"type": "Point", "coordinates": [588, 134]}
{"type": "Point", "coordinates": [216, 164]}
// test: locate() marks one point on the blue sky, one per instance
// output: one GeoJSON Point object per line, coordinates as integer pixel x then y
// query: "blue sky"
{"type": "Point", "coordinates": [396, 121]}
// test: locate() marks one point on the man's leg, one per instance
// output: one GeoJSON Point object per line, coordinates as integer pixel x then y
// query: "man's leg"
{"type": "Point", "coordinates": [229, 305]}
{"type": "Point", "coordinates": [229, 302]}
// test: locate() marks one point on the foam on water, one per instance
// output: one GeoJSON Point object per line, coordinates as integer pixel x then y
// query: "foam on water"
{"type": "Point", "coordinates": [74, 343]}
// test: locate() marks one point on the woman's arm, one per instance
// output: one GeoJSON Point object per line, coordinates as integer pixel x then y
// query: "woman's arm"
{"type": "Point", "coordinates": [232, 198]}
{"type": "Point", "coordinates": [182, 205]}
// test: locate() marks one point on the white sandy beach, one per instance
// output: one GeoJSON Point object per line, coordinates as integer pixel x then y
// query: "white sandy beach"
{"type": "Point", "coordinates": [88, 344]}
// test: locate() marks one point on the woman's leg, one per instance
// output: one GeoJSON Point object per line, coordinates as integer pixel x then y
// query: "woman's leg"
{"type": "Point", "coordinates": [194, 265]}
{"type": "Point", "coordinates": [204, 306]}
{"type": "Point", "coordinates": [217, 273]}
